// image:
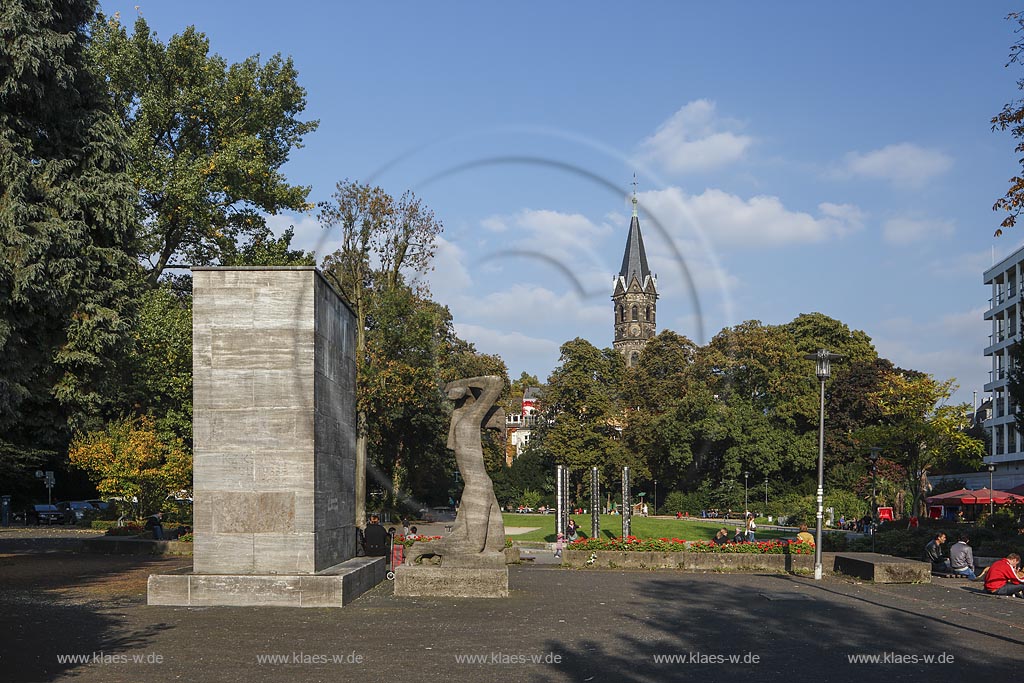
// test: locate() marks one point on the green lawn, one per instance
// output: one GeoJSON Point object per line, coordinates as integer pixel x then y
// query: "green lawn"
{"type": "Point", "coordinates": [642, 527]}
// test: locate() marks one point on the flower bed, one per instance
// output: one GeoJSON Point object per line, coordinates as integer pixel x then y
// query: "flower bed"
{"type": "Point", "coordinates": [670, 545]}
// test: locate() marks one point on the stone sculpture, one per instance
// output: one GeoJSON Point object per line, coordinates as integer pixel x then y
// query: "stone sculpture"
{"type": "Point", "coordinates": [477, 538]}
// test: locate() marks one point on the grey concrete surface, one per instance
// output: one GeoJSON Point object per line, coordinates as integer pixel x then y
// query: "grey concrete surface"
{"type": "Point", "coordinates": [632, 626]}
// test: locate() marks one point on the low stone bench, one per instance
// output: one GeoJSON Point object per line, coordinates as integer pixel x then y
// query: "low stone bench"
{"type": "Point", "coordinates": [690, 562]}
{"type": "Point", "coordinates": [882, 568]}
{"type": "Point", "coordinates": [113, 545]}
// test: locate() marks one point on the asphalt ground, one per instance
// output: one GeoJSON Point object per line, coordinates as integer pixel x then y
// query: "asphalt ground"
{"type": "Point", "coordinates": [557, 625]}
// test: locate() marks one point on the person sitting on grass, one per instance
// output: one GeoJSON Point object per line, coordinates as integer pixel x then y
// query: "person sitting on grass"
{"type": "Point", "coordinates": [805, 536]}
{"type": "Point", "coordinates": [1002, 577]}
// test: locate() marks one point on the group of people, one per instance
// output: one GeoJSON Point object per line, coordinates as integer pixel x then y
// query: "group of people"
{"type": "Point", "coordinates": [744, 534]}
{"type": "Point", "coordinates": [1001, 578]}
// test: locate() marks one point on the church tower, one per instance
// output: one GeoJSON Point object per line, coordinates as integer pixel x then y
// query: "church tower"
{"type": "Point", "coordinates": [635, 296]}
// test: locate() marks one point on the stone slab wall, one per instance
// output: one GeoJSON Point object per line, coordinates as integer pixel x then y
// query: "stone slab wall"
{"type": "Point", "coordinates": [273, 423]}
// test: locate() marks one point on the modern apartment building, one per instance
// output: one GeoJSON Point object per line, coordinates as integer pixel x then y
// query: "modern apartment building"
{"type": "Point", "coordinates": [1006, 279]}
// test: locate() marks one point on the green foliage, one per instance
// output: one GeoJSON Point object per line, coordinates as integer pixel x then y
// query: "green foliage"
{"type": "Point", "coordinates": [677, 501]}
{"type": "Point", "coordinates": [207, 139]}
{"type": "Point", "coordinates": [1012, 118]}
{"type": "Point", "coordinates": [67, 272]}
{"type": "Point", "coordinates": [530, 499]}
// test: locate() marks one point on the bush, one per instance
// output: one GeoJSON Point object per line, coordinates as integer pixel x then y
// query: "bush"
{"type": "Point", "coordinates": [102, 524]}
{"type": "Point", "coordinates": [677, 501]}
{"type": "Point", "coordinates": [126, 530]}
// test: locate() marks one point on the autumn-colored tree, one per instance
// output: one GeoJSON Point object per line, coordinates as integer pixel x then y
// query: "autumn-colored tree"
{"type": "Point", "coordinates": [129, 459]}
{"type": "Point", "coordinates": [921, 431]}
{"type": "Point", "coordinates": [382, 239]}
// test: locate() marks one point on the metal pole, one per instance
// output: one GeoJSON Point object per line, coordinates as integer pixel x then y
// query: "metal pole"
{"type": "Point", "coordinates": [559, 501]}
{"type": "Point", "coordinates": [991, 469]}
{"type": "Point", "coordinates": [766, 494]}
{"type": "Point", "coordinates": [874, 504]}
{"type": "Point", "coordinates": [821, 484]}
{"type": "Point", "coordinates": [746, 504]}
{"type": "Point", "coordinates": [655, 496]}
{"type": "Point", "coordinates": [595, 503]}
{"type": "Point", "coordinates": [627, 505]}
{"type": "Point", "coordinates": [565, 498]}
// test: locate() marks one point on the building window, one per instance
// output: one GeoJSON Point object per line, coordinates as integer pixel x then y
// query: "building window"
{"type": "Point", "coordinates": [633, 357]}
{"type": "Point", "coordinates": [622, 313]}
{"type": "Point", "coordinates": [635, 314]}
{"type": "Point", "coordinates": [648, 315]}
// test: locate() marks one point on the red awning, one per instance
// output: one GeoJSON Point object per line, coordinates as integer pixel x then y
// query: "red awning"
{"type": "Point", "coordinates": [978, 497]}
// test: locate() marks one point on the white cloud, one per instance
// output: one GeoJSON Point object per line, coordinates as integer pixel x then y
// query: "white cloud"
{"type": "Point", "coordinates": [449, 278]}
{"type": "Point", "coordinates": [763, 221]}
{"type": "Point", "coordinates": [902, 231]}
{"type": "Point", "coordinates": [543, 305]}
{"type": "Point", "coordinates": [903, 164]}
{"type": "Point", "coordinates": [694, 139]}
{"type": "Point", "coordinates": [309, 235]}
{"type": "Point", "coordinates": [506, 344]}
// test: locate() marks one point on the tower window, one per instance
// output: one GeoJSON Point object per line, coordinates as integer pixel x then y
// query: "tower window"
{"type": "Point", "coordinates": [648, 314]}
{"type": "Point", "coordinates": [622, 313]}
{"type": "Point", "coordinates": [635, 314]}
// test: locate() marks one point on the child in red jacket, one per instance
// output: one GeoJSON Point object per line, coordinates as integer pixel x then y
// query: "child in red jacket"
{"type": "Point", "coordinates": [1002, 578]}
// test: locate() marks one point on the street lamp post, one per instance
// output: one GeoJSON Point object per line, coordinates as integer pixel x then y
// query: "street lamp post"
{"type": "Point", "coordinates": [873, 456]}
{"type": "Point", "coordinates": [766, 494]}
{"type": "Point", "coordinates": [746, 506]}
{"type": "Point", "coordinates": [991, 469]}
{"type": "Point", "coordinates": [823, 361]}
{"type": "Point", "coordinates": [655, 496]}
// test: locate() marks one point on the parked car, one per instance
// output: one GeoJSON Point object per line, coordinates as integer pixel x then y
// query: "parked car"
{"type": "Point", "coordinates": [45, 514]}
{"type": "Point", "coordinates": [101, 505]}
{"type": "Point", "coordinates": [75, 510]}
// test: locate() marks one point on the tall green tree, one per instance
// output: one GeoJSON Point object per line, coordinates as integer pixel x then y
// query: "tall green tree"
{"type": "Point", "coordinates": [66, 231]}
{"type": "Point", "coordinates": [207, 139]}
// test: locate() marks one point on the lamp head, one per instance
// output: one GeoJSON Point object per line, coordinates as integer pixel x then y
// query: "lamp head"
{"type": "Point", "coordinates": [823, 360]}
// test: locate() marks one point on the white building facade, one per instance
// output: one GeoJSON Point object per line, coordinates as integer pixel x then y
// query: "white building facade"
{"type": "Point", "coordinates": [1006, 279]}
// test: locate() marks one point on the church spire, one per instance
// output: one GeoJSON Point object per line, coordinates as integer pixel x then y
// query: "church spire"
{"type": "Point", "coordinates": [634, 195]}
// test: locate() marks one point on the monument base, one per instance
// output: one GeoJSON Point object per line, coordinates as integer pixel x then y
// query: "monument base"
{"type": "Point", "coordinates": [334, 587]}
{"type": "Point", "coordinates": [451, 582]}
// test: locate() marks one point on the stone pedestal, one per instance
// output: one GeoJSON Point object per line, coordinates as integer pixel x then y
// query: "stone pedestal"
{"type": "Point", "coordinates": [451, 582]}
{"type": "Point", "coordinates": [274, 430]}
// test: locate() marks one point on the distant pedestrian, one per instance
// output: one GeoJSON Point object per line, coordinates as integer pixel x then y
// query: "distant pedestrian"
{"type": "Point", "coordinates": [751, 527]}
{"type": "Point", "coordinates": [559, 544]}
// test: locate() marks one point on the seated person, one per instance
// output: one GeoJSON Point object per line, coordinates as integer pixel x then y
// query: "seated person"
{"type": "Point", "coordinates": [933, 553]}
{"type": "Point", "coordinates": [740, 537]}
{"type": "Point", "coordinates": [961, 557]}
{"type": "Point", "coordinates": [721, 538]}
{"type": "Point", "coordinates": [375, 538]}
{"type": "Point", "coordinates": [1002, 577]}
{"type": "Point", "coordinates": [805, 535]}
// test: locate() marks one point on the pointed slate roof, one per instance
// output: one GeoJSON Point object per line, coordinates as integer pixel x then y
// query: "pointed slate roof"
{"type": "Point", "coordinates": [634, 260]}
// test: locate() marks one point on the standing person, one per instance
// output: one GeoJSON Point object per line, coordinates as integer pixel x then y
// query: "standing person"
{"type": "Point", "coordinates": [645, 510]}
{"type": "Point", "coordinates": [1002, 578]}
{"type": "Point", "coordinates": [405, 527]}
{"type": "Point", "coordinates": [961, 557]}
{"type": "Point", "coordinates": [751, 527]}
{"type": "Point", "coordinates": [559, 544]}
{"type": "Point", "coordinates": [933, 553]}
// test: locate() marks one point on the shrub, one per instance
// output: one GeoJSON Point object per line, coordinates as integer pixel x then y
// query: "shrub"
{"type": "Point", "coordinates": [126, 530]}
{"type": "Point", "coordinates": [677, 501]}
{"type": "Point", "coordinates": [634, 544]}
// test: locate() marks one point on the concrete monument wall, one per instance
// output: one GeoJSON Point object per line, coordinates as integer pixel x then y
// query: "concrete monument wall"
{"type": "Point", "coordinates": [274, 425]}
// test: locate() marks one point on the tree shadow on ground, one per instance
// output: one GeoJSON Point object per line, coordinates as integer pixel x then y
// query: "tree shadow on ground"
{"type": "Point", "coordinates": [61, 608]}
{"type": "Point", "coordinates": [781, 628]}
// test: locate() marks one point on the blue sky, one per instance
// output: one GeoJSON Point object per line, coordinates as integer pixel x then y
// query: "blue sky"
{"type": "Point", "coordinates": [796, 156]}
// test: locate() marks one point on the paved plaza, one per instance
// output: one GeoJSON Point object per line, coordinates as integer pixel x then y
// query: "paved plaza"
{"type": "Point", "coordinates": [83, 617]}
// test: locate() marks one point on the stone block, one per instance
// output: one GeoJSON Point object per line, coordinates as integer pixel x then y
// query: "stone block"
{"type": "Point", "coordinates": [882, 568]}
{"type": "Point", "coordinates": [451, 582]}
{"type": "Point", "coordinates": [167, 589]}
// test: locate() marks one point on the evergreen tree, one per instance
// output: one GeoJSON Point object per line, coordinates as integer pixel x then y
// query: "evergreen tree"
{"type": "Point", "coordinates": [66, 262]}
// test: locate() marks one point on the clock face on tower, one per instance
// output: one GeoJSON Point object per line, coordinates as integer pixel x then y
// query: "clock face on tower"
{"type": "Point", "coordinates": [634, 331]}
